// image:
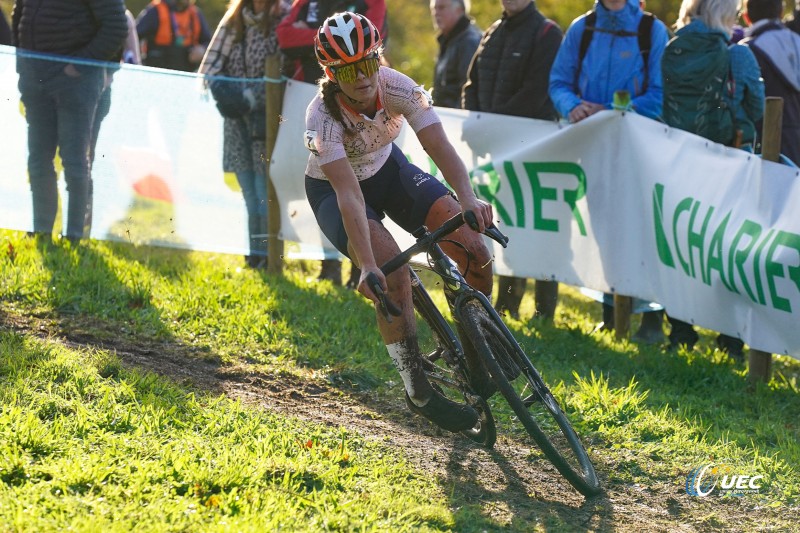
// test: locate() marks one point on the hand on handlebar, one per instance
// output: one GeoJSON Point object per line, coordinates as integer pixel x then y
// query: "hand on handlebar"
{"type": "Point", "coordinates": [490, 230]}
{"type": "Point", "coordinates": [482, 211]}
{"type": "Point", "coordinates": [374, 282]}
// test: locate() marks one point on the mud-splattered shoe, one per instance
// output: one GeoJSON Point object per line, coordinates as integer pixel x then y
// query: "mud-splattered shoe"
{"type": "Point", "coordinates": [446, 414]}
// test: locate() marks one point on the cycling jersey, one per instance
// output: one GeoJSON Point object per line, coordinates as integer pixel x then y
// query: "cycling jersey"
{"type": "Point", "coordinates": [368, 143]}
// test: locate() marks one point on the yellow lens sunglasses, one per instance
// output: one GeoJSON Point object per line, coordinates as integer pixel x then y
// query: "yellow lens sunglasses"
{"type": "Point", "coordinates": [348, 73]}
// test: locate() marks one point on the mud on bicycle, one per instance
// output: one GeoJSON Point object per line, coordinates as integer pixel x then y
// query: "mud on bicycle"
{"type": "Point", "coordinates": [536, 413]}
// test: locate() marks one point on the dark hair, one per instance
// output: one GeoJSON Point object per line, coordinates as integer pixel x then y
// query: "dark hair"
{"type": "Point", "coordinates": [763, 9]}
{"type": "Point", "coordinates": [328, 91]}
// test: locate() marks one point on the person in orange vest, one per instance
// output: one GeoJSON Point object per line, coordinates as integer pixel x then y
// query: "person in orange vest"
{"type": "Point", "coordinates": [174, 34]}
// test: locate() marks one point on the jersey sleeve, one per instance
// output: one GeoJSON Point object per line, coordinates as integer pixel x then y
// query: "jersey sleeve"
{"type": "Point", "coordinates": [324, 136]}
{"type": "Point", "coordinates": [406, 97]}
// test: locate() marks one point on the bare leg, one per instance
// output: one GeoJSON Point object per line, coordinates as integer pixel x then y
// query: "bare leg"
{"type": "Point", "coordinates": [479, 260]}
{"type": "Point", "coordinates": [400, 337]}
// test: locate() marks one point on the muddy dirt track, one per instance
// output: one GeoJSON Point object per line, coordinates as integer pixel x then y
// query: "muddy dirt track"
{"type": "Point", "coordinates": [518, 495]}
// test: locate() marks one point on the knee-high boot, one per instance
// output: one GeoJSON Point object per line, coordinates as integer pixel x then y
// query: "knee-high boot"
{"type": "Point", "coordinates": [509, 294]}
{"type": "Point", "coordinates": [257, 229]}
{"type": "Point", "coordinates": [546, 293]}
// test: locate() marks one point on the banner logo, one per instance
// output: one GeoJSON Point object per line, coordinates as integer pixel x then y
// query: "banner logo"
{"type": "Point", "coordinates": [487, 183]}
{"type": "Point", "coordinates": [744, 256]}
{"type": "Point", "coordinates": [720, 477]}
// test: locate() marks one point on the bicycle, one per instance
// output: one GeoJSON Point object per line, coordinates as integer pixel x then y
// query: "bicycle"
{"type": "Point", "coordinates": [512, 372]}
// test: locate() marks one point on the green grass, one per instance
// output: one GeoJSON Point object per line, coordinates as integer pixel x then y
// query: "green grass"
{"type": "Point", "coordinates": [87, 444]}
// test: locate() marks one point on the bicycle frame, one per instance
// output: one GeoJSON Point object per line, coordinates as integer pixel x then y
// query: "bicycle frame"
{"type": "Point", "coordinates": [489, 336]}
{"type": "Point", "coordinates": [457, 291]}
{"type": "Point", "coordinates": [456, 288]}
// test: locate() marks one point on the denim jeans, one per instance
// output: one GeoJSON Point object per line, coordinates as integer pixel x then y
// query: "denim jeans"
{"type": "Point", "coordinates": [60, 113]}
{"type": "Point", "coordinates": [254, 191]}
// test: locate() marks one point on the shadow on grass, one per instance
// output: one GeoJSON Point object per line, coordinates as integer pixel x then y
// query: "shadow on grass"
{"type": "Point", "coordinates": [704, 390]}
{"type": "Point", "coordinates": [82, 283]}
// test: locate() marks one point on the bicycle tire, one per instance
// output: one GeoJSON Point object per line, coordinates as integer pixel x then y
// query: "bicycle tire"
{"type": "Point", "coordinates": [445, 370]}
{"type": "Point", "coordinates": [559, 443]}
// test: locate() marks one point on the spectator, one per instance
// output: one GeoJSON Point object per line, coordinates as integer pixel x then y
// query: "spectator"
{"type": "Point", "coordinates": [239, 48]}
{"type": "Point", "coordinates": [60, 97]}
{"type": "Point", "coordinates": [508, 75]}
{"type": "Point", "coordinates": [702, 26]}
{"type": "Point", "coordinates": [296, 32]}
{"type": "Point", "coordinates": [793, 22]}
{"type": "Point", "coordinates": [128, 54]}
{"type": "Point", "coordinates": [777, 50]}
{"type": "Point", "coordinates": [296, 39]}
{"type": "Point", "coordinates": [458, 39]}
{"type": "Point", "coordinates": [131, 50]}
{"type": "Point", "coordinates": [5, 30]}
{"type": "Point", "coordinates": [615, 47]}
{"type": "Point", "coordinates": [174, 34]}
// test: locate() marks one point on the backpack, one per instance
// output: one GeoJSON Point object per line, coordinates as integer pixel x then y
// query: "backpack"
{"type": "Point", "coordinates": [698, 86]}
{"type": "Point", "coordinates": [643, 34]}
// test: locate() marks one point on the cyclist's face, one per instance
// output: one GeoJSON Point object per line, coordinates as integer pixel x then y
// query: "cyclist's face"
{"type": "Point", "coordinates": [364, 88]}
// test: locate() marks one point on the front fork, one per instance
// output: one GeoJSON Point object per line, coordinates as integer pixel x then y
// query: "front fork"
{"type": "Point", "coordinates": [448, 345]}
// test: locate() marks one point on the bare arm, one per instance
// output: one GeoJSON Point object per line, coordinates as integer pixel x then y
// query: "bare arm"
{"type": "Point", "coordinates": [353, 210]}
{"type": "Point", "coordinates": [435, 142]}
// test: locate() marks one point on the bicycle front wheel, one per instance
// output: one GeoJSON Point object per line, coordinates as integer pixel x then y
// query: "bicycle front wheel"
{"type": "Point", "coordinates": [529, 398]}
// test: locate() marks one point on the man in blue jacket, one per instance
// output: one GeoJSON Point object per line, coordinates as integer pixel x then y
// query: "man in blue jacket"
{"type": "Point", "coordinates": [614, 47]}
{"type": "Point", "coordinates": [612, 62]}
{"type": "Point", "coordinates": [60, 95]}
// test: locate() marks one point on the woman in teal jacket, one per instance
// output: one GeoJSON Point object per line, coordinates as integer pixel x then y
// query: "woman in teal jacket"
{"type": "Point", "coordinates": [613, 62]}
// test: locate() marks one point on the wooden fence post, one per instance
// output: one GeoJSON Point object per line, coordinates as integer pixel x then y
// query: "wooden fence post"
{"type": "Point", "coordinates": [622, 304]}
{"type": "Point", "coordinates": [761, 362]}
{"type": "Point", "coordinates": [272, 70]}
{"type": "Point", "coordinates": [622, 316]}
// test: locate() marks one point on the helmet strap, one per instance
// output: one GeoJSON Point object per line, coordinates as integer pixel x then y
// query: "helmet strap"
{"type": "Point", "coordinates": [329, 74]}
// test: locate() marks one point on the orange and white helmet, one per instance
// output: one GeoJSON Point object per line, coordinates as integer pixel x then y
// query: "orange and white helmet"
{"type": "Point", "coordinates": [346, 38]}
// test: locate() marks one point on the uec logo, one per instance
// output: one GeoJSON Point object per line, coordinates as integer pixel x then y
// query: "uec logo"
{"type": "Point", "coordinates": [703, 480]}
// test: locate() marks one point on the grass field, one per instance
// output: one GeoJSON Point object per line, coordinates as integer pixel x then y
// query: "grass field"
{"type": "Point", "coordinates": [90, 444]}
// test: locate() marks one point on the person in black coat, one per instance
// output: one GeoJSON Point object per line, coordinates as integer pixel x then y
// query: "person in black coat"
{"type": "Point", "coordinates": [777, 50]}
{"type": "Point", "coordinates": [509, 75]}
{"type": "Point", "coordinates": [60, 96]}
{"type": "Point", "coordinates": [793, 22]}
{"type": "Point", "coordinates": [458, 39]}
{"type": "Point", "coordinates": [5, 30]}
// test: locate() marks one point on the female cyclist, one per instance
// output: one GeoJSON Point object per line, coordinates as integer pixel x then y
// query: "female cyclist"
{"type": "Point", "coordinates": [356, 175]}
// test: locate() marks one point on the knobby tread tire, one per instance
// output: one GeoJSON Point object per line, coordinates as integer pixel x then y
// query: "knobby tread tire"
{"type": "Point", "coordinates": [483, 332]}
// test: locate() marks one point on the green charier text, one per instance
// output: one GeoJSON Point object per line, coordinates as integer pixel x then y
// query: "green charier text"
{"type": "Point", "coordinates": [489, 190]}
{"type": "Point", "coordinates": [539, 192]}
{"type": "Point", "coordinates": [742, 257]}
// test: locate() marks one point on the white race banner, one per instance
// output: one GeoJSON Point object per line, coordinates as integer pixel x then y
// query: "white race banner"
{"type": "Point", "coordinates": [617, 203]}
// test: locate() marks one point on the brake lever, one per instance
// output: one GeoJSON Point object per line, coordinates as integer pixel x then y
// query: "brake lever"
{"type": "Point", "coordinates": [385, 305]}
{"type": "Point", "coordinates": [495, 234]}
{"type": "Point", "coordinates": [491, 231]}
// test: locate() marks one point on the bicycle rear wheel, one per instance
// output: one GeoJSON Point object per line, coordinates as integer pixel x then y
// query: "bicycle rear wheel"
{"type": "Point", "coordinates": [529, 397]}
